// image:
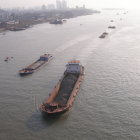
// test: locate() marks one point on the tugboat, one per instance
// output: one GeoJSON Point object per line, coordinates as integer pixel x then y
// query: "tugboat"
{"type": "Point", "coordinates": [36, 65]}
{"type": "Point", "coordinates": [63, 95]}
{"type": "Point", "coordinates": [64, 20]}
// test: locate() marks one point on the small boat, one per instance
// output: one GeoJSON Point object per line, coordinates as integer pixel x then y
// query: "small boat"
{"type": "Point", "coordinates": [64, 93]}
{"type": "Point", "coordinates": [103, 35]}
{"type": "Point", "coordinates": [112, 27]}
{"type": "Point", "coordinates": [57, 21]}
{"type": "Point", "coordinates": [17, 29]}
{"type": "Point", "coordinates": [36, 65]}
{"type": "Point", "coordinates": [6, 59]}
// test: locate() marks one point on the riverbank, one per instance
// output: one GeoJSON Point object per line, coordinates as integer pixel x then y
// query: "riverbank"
{"type": "Point", "coordinates": [28, 19]}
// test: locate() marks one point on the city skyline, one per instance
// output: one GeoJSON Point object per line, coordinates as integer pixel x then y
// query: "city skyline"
{"type": "Point", "coordinates": [132, 4]}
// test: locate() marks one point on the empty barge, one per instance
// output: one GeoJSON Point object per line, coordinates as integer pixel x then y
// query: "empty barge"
{"type": "Point", "coordinates": [36, 65]}
{"type": "Point", "coordinates": [62, 96]}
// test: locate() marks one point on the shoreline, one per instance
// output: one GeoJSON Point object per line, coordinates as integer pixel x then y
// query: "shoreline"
{"type": "Point", "coordinates": [28, 21]}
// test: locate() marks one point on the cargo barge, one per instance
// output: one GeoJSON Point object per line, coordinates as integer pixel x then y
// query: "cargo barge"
{"type": "Point", "coordinates": [36, 65]}
{"type": "Point", "coordinates": [103, 35]}
{"type": "Point", "coordinates": [63, 95]}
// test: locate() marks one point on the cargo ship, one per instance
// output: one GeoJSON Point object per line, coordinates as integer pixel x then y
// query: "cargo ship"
{"type": "Point", "coordinates": [36, 65]}
{"type": "Point", "coordinates": [64, 93]}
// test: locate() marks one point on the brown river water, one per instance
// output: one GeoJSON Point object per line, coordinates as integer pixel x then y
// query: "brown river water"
{"type": "Point", "coordinates": [107, 106]}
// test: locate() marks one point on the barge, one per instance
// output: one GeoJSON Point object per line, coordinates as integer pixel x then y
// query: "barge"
{"type": "Point", "coordinates": [103, 35]}
{"type": "Point", "coordinates": [112, 27]}
{"type": "Point", "coordinates": [36, 65]}
{"type": "Point", "coordinates": [64, 93]}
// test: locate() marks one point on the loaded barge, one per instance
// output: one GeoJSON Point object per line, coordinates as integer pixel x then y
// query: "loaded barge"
{"type": "Point", "coordinates": [62, 96]}
{"type": "Point", "coordinates": [36, 65]}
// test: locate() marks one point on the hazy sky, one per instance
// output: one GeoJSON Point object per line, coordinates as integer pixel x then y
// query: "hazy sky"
{"type": "Point", "coordinates": [89, 3]}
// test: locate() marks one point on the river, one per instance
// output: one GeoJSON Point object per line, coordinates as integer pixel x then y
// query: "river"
{"type": "Point", "coordinates": [107, 106]}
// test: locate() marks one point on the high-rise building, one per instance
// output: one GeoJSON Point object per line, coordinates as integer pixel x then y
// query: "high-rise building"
{"type": "Point", "coordinates": [43, 7]}
{"type": "Point", "coordinates": [50, 6]}
{"type": "Point", "coordinates": [61, 4]}
{"type": "Point", "coordinates": [84, 6]}
{"type": "Point", "coordinates": [58, 4]}
{"type": "Point", "coordinates": [64, 4]}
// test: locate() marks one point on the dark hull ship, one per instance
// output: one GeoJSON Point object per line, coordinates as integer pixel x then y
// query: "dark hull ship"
{"type": "Point", "coordinates": [64, 93]}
